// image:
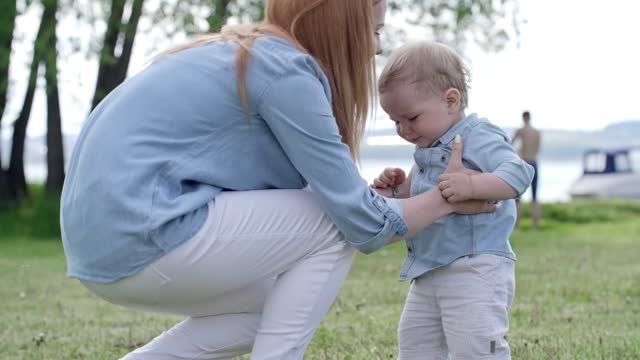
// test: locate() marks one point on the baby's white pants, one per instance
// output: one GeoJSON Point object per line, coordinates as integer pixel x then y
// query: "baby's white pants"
{"type": "Point", "coordinates": [459, 311]}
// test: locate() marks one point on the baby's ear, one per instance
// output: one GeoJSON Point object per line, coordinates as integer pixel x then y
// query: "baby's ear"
{"type": "Point", "coordinates": [453, 99]}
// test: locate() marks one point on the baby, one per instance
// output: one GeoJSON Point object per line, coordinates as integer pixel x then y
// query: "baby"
{"type": "Point", "coordinates": [462, 266]}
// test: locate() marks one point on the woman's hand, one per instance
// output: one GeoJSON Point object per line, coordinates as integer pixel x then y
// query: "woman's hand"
{"type": "Point", "coordinates": [471, 207]}
{"type": "Point", "coordinates": [388, 192]}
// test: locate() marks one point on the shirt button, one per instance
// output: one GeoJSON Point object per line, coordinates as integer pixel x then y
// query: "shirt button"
{"type": "Point", "coordinates": [443, 158]}
{"type": "Point", "coordinates": [421, 170]}
{"type": "Point", "coordinates": [410, 249]}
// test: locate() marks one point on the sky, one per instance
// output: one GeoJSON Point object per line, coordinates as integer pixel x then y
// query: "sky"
{"type": "Point", "coordinates": [576, 66]}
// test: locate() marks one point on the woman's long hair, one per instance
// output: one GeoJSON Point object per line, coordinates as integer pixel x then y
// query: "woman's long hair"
{"type": "Point", "coordinates": [339, 34]}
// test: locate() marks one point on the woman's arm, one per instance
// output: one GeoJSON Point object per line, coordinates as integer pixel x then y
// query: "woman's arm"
{"type": "Point", "coordinates": [422, 210]}
{"type": "Point", "coordinates": [297, 110]}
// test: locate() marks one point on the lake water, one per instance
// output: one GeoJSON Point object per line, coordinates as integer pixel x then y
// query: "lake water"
{"type": "Point", "coordinates": [554, 177]}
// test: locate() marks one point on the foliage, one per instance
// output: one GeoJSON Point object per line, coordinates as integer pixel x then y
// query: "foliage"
{"type": "Point", "coordinates": [587, 211]}
{"type": "Point", "coordinates": [36, 217]}
{"type": "Point", "coordinates": [488, 23]}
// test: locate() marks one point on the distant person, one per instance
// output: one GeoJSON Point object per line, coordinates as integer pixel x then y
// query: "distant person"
{"type": "Point", "coordinates": [462, 266]}
{"type": "Point", "coordinates": [529, 139]}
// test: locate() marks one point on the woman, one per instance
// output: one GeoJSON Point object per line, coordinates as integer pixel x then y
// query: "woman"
{"type": "Point", "coordinates": [184, 196]}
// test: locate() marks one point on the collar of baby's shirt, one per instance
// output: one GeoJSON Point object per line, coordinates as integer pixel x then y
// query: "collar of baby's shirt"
{"type": "Point", "coordinates": [457, 129]}
{"type": "Point", "coordinates": [421, 155]}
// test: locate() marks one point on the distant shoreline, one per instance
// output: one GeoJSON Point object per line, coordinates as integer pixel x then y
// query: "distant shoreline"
{"type": "Point", "coordinates": [557, 145]}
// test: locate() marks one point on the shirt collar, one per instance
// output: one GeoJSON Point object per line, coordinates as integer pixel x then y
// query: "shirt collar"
{"type": "Point", "coordinates": [456, 129]}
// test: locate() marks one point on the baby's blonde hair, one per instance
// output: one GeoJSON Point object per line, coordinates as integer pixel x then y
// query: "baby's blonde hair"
{"type": "Point", "coordinates": [433, 66]}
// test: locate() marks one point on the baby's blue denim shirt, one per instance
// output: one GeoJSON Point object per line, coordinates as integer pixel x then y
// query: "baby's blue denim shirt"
{"type": "Point", "coordinates": [168, 140]}
{"type": "Point", "coordinates": [488, 149]}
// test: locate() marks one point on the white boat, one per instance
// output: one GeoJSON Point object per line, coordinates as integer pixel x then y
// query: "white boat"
{"type": "Point", "coordinates": [609, 173]}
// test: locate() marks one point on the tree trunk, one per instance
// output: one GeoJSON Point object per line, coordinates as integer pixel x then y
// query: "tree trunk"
{"type": "Point", "coordinates": [17, 180]}
{"type": "Point", "coordinates": [55, 148]}
{"type": "Point", "coordinates": [7, 25]}
{"type": "Point", "coordinates": [107, 54]}
{"type": "Point", "coordinates": [122, 65]}
{"type": "Point", "coordinates": [219, 15]}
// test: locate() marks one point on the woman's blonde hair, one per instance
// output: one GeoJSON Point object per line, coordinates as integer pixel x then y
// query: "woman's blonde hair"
{"type": "Point", "coordinates": [435, 67]}
{"type": "Point", "coordinates": [339, 34]}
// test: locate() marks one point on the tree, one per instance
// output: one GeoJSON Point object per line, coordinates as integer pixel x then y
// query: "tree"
{"type": "Point", "coordinates": [55, 147]}
{"type": "Point", "coordinates": [120, 34]}
{"type": "Point", "coordinates": [17, 180]}
{"type": "Point", "coordinates": [218, 15]}
{"type": "Point", "coordinates": [114, 59]}
{"type": "Point", "coordinates": [44, 53]}
{"type": "Point", "coordinates": [454, 22]}
{"type": "Point", "coordinates": [8, 13]}
{"type": "Point", "coordinates": [451, 21]}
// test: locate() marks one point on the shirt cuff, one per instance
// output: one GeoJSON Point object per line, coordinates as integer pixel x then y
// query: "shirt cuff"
{"type": "Point", "coordinates": [392, 210]}
{"type": "Point", "coordinates": [393, 225]}
{"type": "Point", "coordinates": [518, 174]}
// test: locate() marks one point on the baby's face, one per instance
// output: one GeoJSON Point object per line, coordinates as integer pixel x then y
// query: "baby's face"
{"type": "Point", "coordinates": [419, 119]}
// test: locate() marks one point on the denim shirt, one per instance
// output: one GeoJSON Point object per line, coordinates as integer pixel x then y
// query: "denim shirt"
{"type": "Point", "coordinates": [488, 149]}
{"type": "Point", "coordinates": [168, 140]}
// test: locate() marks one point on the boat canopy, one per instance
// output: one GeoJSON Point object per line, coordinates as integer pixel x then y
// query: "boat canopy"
{"type": "Point", "coordinates": [609, 161]}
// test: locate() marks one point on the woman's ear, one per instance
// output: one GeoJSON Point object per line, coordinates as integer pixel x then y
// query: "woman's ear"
{"type": "Point", "coordinates": [452, 98]}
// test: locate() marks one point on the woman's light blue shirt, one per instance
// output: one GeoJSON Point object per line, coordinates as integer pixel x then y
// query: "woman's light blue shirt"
{"type": "Point", "coordinates": [488, 149]}
{"type": "Point", "coordinates": [167, 141]}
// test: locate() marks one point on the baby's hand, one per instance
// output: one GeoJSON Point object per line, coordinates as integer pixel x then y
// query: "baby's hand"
{"type": "Point", "coordinates": [455, 187]}
{"type": "Point", "coordinates": [390, 178]}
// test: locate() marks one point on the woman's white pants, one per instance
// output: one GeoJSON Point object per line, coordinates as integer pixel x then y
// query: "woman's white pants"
{"type": "Point", "coordinates": [258, 277]}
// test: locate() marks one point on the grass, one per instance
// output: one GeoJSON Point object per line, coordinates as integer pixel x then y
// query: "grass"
{"type": "Point", "coordinates": [578, 294]}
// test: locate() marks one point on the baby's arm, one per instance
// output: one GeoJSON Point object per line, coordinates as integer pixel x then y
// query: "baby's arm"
{"type": "Point", "coordinates": [489, 186]}
{"type": "Point", "coordinates": [504, 176]}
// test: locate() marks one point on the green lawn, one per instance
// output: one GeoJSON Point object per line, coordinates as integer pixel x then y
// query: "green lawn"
{"type": "Point", "coordinates": [578, 296]}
